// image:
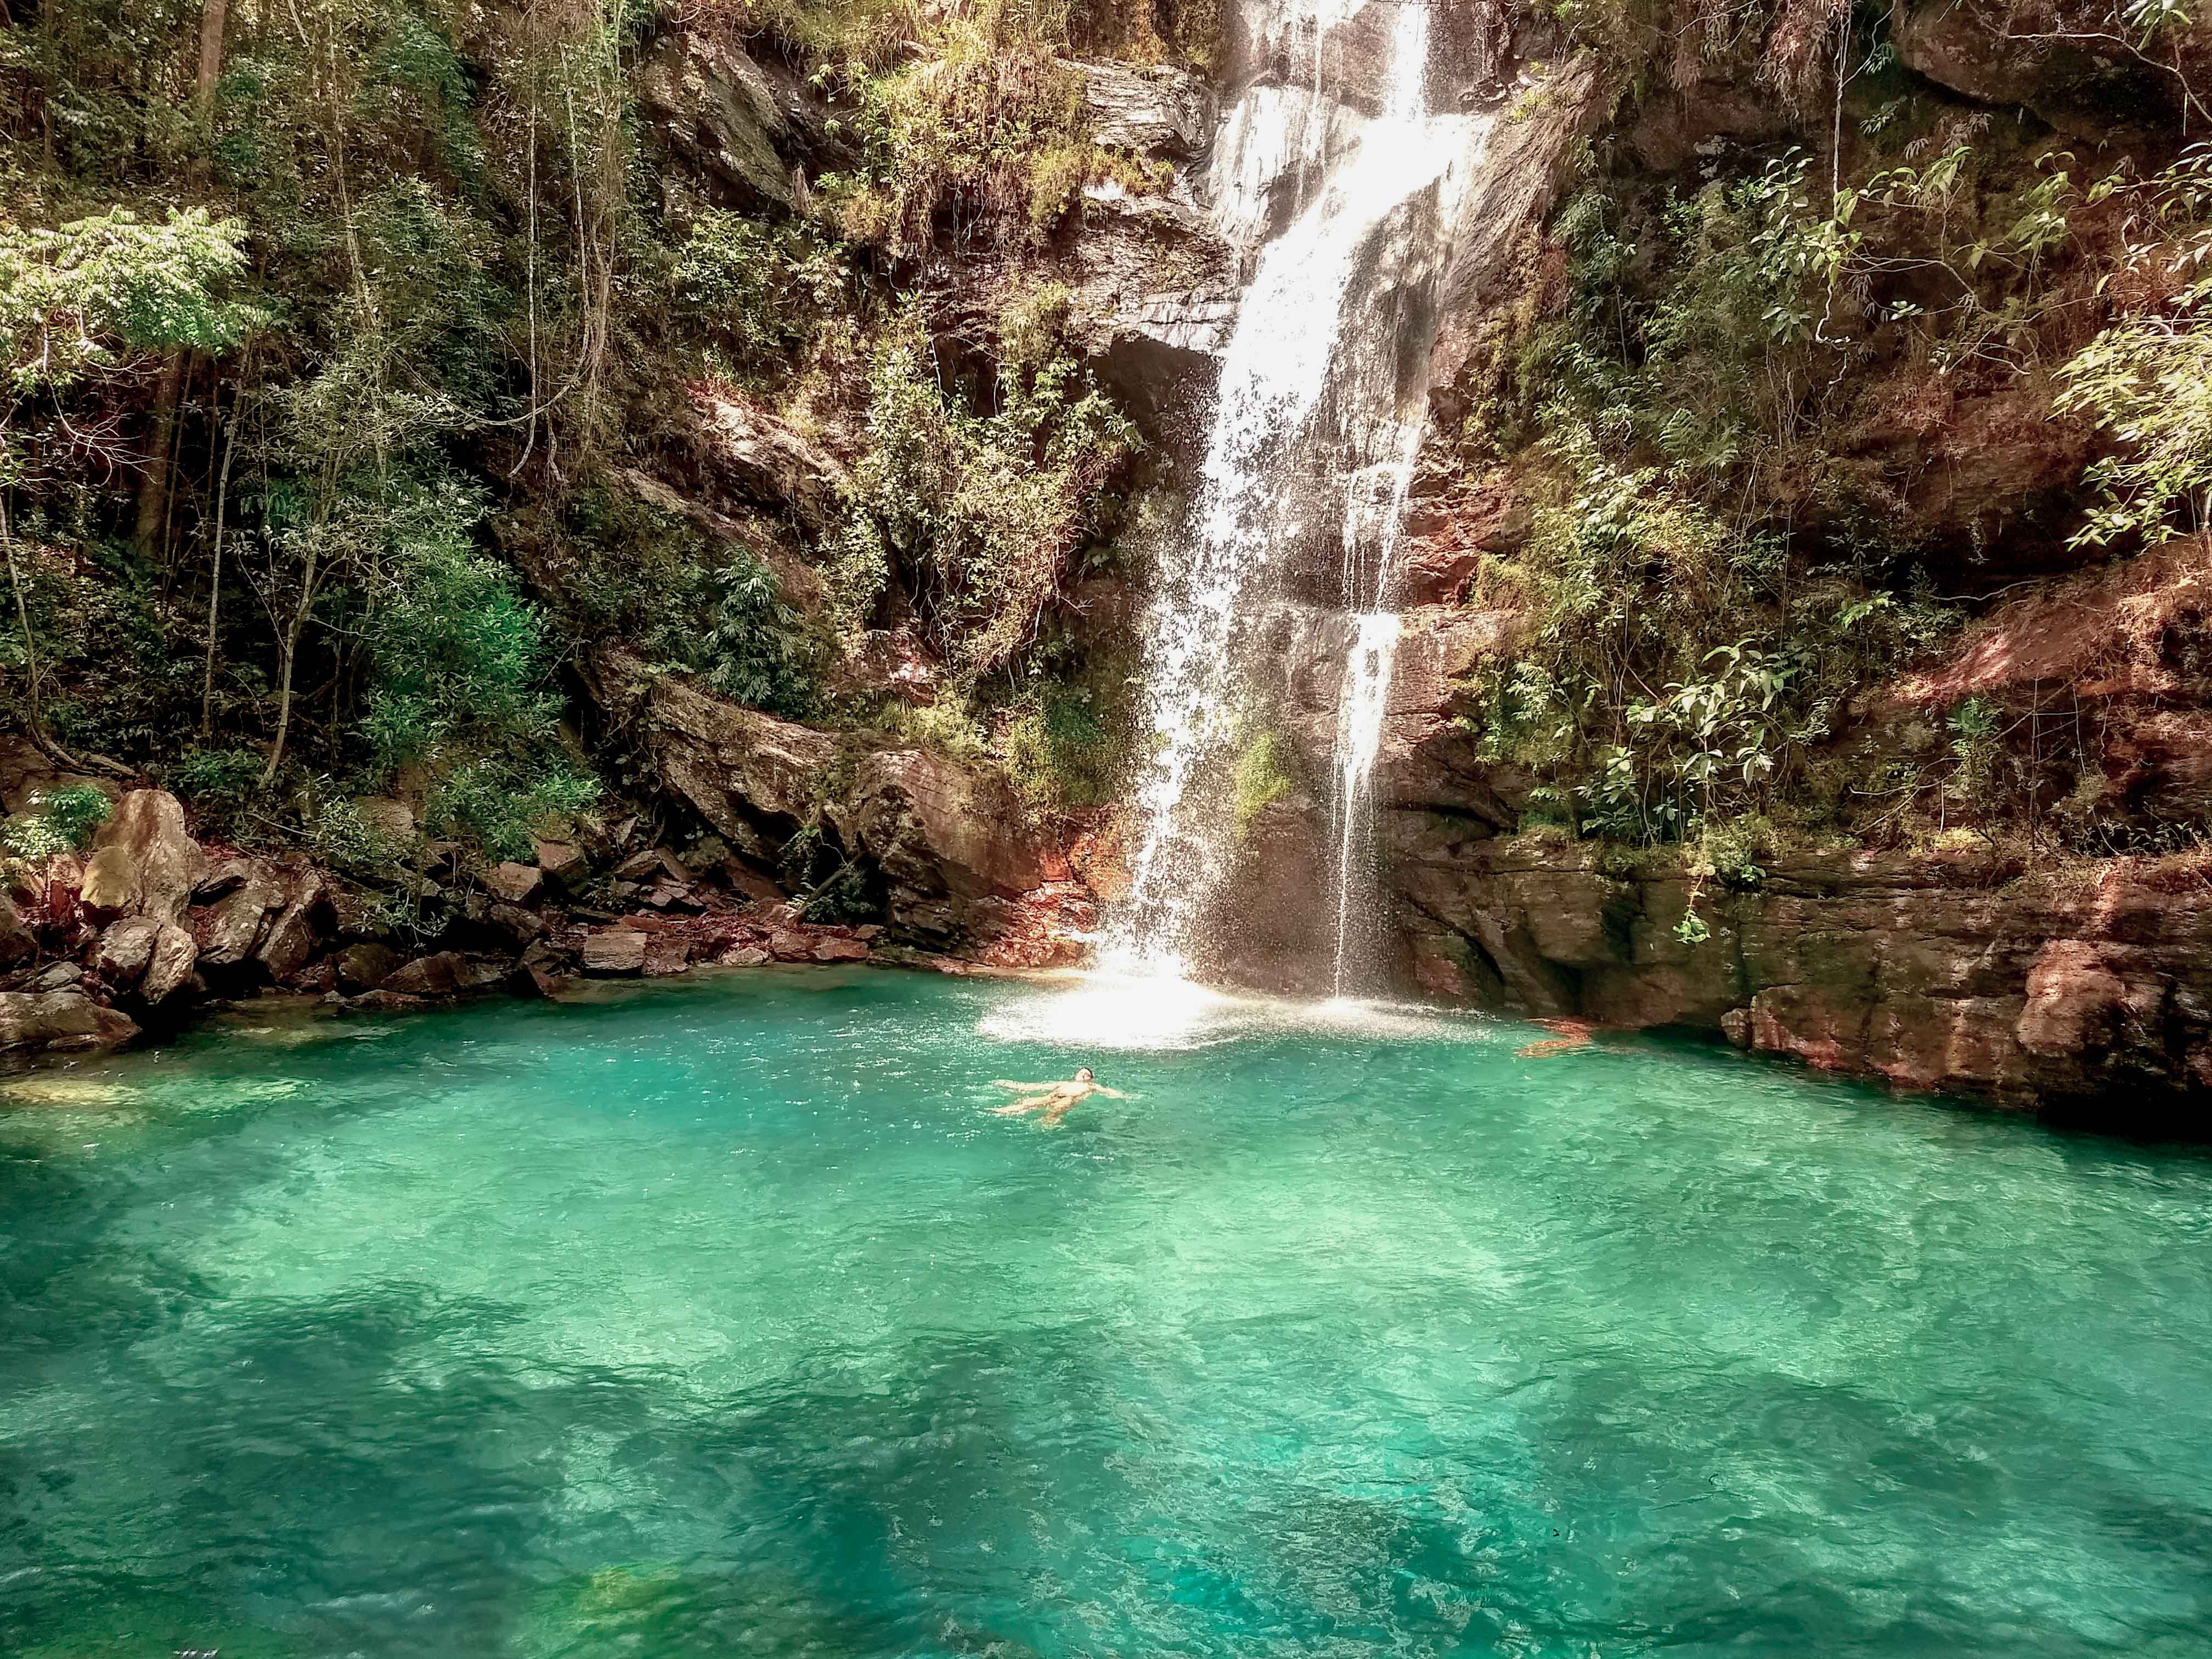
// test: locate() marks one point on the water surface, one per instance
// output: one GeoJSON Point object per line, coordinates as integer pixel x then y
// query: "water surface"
{"type": "Point", "coordinates": [721, 1318]}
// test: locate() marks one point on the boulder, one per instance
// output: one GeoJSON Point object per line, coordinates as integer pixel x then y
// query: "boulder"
{"type": "Point", "coordinates": [612, 951]}
{"type": "Point", "coordinates": [667, 955]}
{"type": "Point", "coordinates": [125, 949]}
{"type": "Point", "coordinates": [170, 967]}
{"type": "Point", "coordinates": [840, 949]}
{"type": "Point", "coordinates": [17, 943]}
{"type": "Point", "coordinates": [744, 956]}
{"type": "Point", "coordinates": [2064, 59]}
{"type": "Point", "coordinates": [754, 456]}
{"type": "Point", "coordinates": [562, 861]}
{"type": "Point", "coordinates": [65, 1018]}
{"type": "Point", "coordinates": [945, 838]}
{"type": "Point", "coordinates": [515, 884]}
{"type": "Point", "coordinates": [444, 974]}
{"type": "Point", "coordinates": [144, 862]}
{"type": "Point", "coordinates": [366, 966]}
{"type": "Point", "coordinates": [756, 780]}
{"type": "Point", "coordinates": [519, 926]}
{"type": "Point", "coordinates": [297, 927]}
{"type": "Point", "coordinates": [229, 929]}
{"type": "Point", "coordinates": [785, 946]}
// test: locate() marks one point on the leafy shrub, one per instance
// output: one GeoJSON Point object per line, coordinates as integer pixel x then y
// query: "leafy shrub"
{"type": "Point", "coordinates": [1066, 746]}
{"type": "Point", "coordinates": [980, 513]}
{"type": "Point", "coordinates": [457, 658]}
{"type": "Point", "coordinates": [350, 842]}
{"type": "Point", "coordinates": [59, 821]}
{"type": "Point", "coordinates": [500, 805]}
{"type": "Point", "coordinates": [757, 290]}
{"type": "Point", "coordinates": [218, 782]}
{"type": "Point", "coordinates": [2146, 379]}
{"type": "Point", "coordinates": [987, 134]}
{"type": "Point", "coordinates": [713, 608]}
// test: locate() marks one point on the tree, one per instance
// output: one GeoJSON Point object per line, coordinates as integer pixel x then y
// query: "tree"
{"type": "Point", "coordinates": [88, 303]}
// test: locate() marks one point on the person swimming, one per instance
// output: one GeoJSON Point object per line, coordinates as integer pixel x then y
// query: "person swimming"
{"type": "Point", "coordinates": [1054, 1099]}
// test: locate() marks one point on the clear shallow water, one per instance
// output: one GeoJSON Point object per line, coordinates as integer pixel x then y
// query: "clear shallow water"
{"type": "Point", "coordinates": [721, 1319]}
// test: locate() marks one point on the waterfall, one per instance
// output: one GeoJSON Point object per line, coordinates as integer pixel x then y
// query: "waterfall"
{"type": "Point", "coordinates": [1358, 741]}
{"type": "Point", "coordinates": [1313, 436]}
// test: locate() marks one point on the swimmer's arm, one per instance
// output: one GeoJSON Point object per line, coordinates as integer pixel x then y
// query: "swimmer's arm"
{"type": "Point", "coordinates": [1003, 1083]}
{"type": "Point", "coordinates": [1112, 1094]}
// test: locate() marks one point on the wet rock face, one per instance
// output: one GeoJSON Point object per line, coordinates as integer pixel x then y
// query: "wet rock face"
{"type": "Point", "coordinates": [1158, 113]}
{"type": "Point", "coordinates": [1932, 973]}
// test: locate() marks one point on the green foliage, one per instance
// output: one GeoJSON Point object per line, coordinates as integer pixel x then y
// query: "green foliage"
{"type": "Point", "coordinates": [458, 660]}
{"type": "Point", "coordinates": [1262, 777]}
{"type": "Point", "coordinates": [1977, 749]}
{"type": "Point", "coordinates": [80, 298]}
{"type": "Point", "coordinates": [58, 820]}
{"type": "Point", "coordinates": [1067, 745]}
{"type": "Point", "coordinates": [218, 783]}
{"type": "Point", "coordinates": [984, 134]}
{"type": "Point", "coordinates": [499, 803]}
{"type": "Point", "coordinates": [219, 775]}
{"type": "Point", "coordinates": [350, 842]}
{"type": "Point", "coordinates": [756, 289]}
{"type": "Point", "coordinates": [2147, 378]}
{"type": "Point", "coordinates": [980, 514]}
{"type": "Point", "coordinates": [696, 605]}
{"type": "Point", "coordinates": [1679, 668]}
{"type": "Point", "coordinates": [833, 888]}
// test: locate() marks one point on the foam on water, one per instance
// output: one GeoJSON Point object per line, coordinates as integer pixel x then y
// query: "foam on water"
{"type": "Point", "coordinates": [1144, 1013]}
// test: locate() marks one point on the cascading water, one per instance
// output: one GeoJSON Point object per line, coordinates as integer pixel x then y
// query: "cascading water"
{"type": "Point", "coordinates": [1313, 393]}
{"type": "Point", "coordinates": [1358, 742]}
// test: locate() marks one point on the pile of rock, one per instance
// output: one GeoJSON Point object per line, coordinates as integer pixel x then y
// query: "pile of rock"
{"type": "Point", "coordinates": [152, 925]}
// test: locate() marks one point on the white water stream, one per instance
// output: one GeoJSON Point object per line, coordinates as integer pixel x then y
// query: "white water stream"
{"type": "Point", "coordinates": [1312, 427]}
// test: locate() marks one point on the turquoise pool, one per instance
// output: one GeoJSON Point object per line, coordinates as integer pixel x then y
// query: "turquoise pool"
{"type": "Point", "coordinates": [722, 1318]}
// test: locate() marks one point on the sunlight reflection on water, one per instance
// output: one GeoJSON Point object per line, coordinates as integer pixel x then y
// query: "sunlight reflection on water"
{"type": "Point", "coordinates": [1144, 1012]}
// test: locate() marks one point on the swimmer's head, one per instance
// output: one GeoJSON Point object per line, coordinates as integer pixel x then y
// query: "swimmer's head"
{"type": "Point", "coordinates": [1083, 1074]}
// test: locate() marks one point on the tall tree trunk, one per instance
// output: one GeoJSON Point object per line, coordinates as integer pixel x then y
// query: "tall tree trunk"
{"type": "Point", "coordinates": [289, 648]}
{"type": "Point", "coordinates": [153, 482]}
{"type": "Point", "coordinates": [212, 13]}
{"type": "Point", "coordinates": [215, 580]}
{"type": "Point", "coordinates": [34, 724]}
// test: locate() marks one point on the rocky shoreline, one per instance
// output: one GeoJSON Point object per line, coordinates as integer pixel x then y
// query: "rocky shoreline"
{"type": "Point", "coordinates": [152, 927]}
